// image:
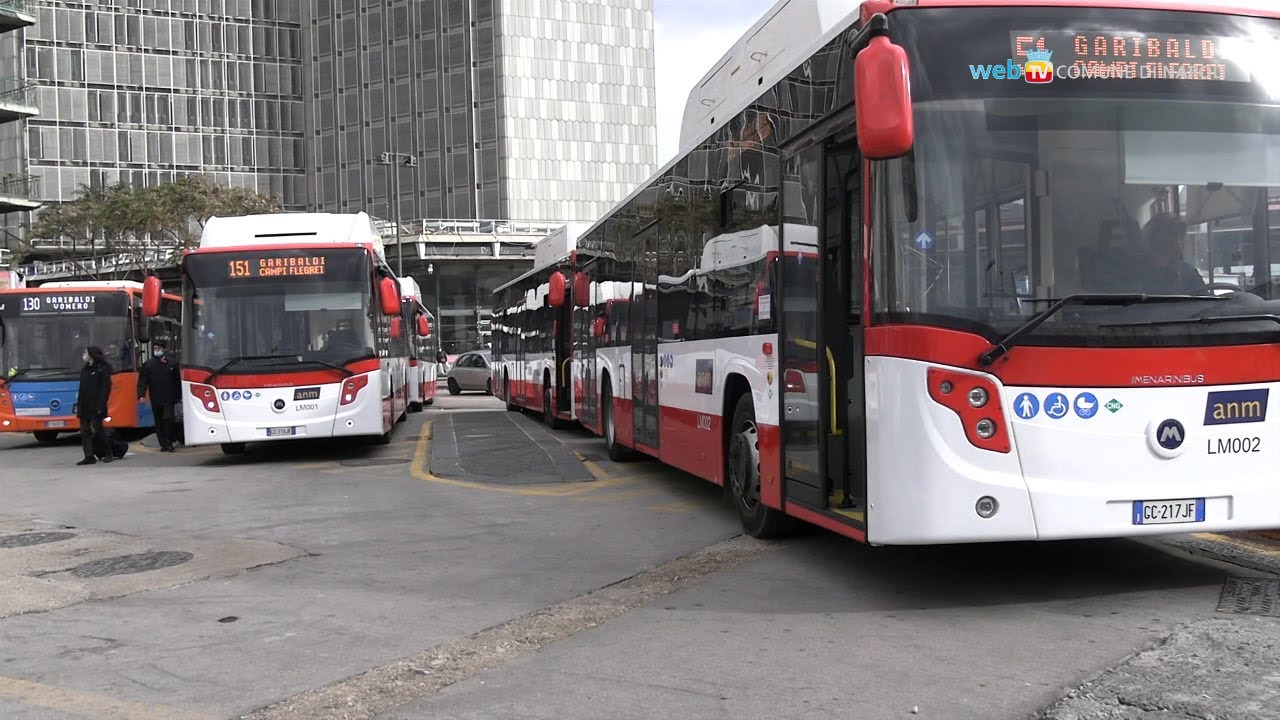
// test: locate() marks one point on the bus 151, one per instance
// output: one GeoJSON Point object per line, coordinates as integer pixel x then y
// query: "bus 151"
{"type": "Point", "coordinates": [44, 331]}
{"type": "Point", "coordinates": [293, 328]}
{"type": "Point", "coordinates": [887, 291]}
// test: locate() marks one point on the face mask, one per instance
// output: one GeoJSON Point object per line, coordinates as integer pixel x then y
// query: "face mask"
{"type": "Point", "coordinates": [85, 358]}
{"type": "Point", "coordinates": [158, 353]}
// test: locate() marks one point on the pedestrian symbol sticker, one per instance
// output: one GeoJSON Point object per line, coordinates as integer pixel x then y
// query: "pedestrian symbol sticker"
{"type": "Point", "coordinates": [1026, 406]}
{"type": "Point", "coordinates": [1057, 406]}
{"type": "Point", "coordinates": [1086, 405]}
{"type": "Point", "coordinates": [1114, 406]}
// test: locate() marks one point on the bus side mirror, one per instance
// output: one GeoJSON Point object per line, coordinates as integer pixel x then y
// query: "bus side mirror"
{"type": "Point", "coordinates": [597, 327]}
{"type": "Point", "coordinates": [151, 291]}
{"type": "Point", "coordinates": [555, 294]}
{"type": "Point", "coordinates": [424, 326]}
{"type": "Point", "coordinates": [396, 330]}
{"type": "Point", "coordinates": [882, 89]}
{"type": "Point", "coordinates": [389, 297]}
{"type": "Point", "coordinates": [581, 290]}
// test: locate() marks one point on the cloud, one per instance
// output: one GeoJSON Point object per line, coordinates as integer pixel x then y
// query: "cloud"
{"type": "Point", "coordinates": [689, 37]}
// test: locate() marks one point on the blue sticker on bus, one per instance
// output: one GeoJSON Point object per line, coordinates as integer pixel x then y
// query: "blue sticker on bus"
{"type": "Point", "coordinates": [1026, 406]}
{"type": "Point", "coordinates": [1232, 407]}
{"type": "Point", "coordinates": [1086, 405]}
{"type": "Point", "coordinates": [1057, 406]}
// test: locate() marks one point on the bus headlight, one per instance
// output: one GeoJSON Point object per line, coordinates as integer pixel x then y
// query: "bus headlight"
{"type": "Point", "coordinates": [985, 429]}
{"type": "Point", "coordinates": [978, 397]}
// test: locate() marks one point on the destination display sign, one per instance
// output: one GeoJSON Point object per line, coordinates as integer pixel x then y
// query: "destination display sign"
{"type": "Point", "coordinates": [276, 267]}
{"type": "Point", "coordinates": [259, 267]}
{"type": "Point", "coordinates": [55, 304]}
{"type": "Point", "coordinates": [1125, 55]}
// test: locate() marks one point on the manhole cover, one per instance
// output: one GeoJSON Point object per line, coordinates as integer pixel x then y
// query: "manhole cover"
{"type": "Point", "coordinates": [35, 538]}
{"type": "Point", "coordinates": [373, 462]}
{"type": "Point", "coordinates": [130, 564]}
{"type": "Point", "coordinates": [1250, 596]}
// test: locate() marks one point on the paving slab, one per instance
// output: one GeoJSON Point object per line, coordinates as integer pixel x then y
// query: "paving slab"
{"type": "Point", "coordinates": [45, 566]}
{"type": "Point", "coordinates": [502, 447]}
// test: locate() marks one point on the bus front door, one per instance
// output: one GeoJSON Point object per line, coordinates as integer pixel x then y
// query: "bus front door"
{"type": "Point", "coordinates": [823, 410]}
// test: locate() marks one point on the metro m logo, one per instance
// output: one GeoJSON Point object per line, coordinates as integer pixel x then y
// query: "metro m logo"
{"type": "Point", "coordinates": [1233, 407]}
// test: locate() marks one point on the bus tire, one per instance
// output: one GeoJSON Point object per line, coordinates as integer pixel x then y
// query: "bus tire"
{"type": "Point", "coordinates": [548, 410]}
{"type": "Point", "coordinates": [454, 387]}
{"type": "Point", "coordinates": [415, 407]}
{"type": "Point", "coordinates": [506, 395]}
{"type": "Point", "coordinates": [383, 439]}
{"type": "Point", "coordinates": [742, 476]}
{"type": "Point", "coordinates": [488, 386]}
{"type": "Point", "coordinates": [46, 437]}
{"type": "Point", "coordinates": [617, 451]}
{"type": "Point", "coordinates": [234, 448]}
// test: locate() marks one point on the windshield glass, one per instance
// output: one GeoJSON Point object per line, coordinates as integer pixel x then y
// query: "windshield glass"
{"type": "Point", "coordinates": [265, 309]}
{"type": "Point", "coordinates": [1159, 174]}
{"type": "Point", "coordinates": [45, 334]}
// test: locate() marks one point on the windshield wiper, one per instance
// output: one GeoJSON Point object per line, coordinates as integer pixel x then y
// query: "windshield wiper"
{"type": "Point", "coordinates": [1211, 320]}
{"type": "Point", "coordinates": [339, 368]}
{"type": "Point", "coordinates": [250, 358]}
{"type": "Point", "coordinates": [23, 371]}
{"type": "Point", "coordinates": [1008, 342]}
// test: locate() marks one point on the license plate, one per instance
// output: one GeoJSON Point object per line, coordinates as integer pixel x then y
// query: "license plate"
{"type": "Point", "coordinates": [56, 424]}
{"type": "Point", "coordinates": [281, 432]}
{"type": "Point", "coordinates": [1165, 512]}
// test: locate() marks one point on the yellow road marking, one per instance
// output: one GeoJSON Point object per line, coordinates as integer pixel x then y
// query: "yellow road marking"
{"type": "Point", "coordinates": [420, 469]}
{"type": "Point", "coordinates": [88, 705]}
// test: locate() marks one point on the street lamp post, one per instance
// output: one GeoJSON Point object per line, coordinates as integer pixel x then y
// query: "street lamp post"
{"type": "Point", "coordinates": [391, 160]}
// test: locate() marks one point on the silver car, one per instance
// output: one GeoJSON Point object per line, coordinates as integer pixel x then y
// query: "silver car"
{"type": "Point", "coordinates": [471, 371]}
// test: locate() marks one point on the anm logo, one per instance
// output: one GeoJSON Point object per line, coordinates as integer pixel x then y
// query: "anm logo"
{"type": "Point", "coordinates": [1232, 407]}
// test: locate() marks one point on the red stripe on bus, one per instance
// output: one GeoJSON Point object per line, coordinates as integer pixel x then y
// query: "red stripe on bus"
{"type": "Point", "coordinates": [823, 521]}
{"type": "Point", "coordinates": [1027, 366]}
{"type": "Point", "coordinates": [693, 442]}
{"type": "Point", "coordinates": [770, 442]}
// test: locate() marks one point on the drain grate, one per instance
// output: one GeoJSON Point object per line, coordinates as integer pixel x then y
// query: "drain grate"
{"type": "Point", "coordinates": [374, 462]}
{"type": "Point", "coordinates": [130, 564]}
{"type": "Point", "coordinates": [1250, 596]}
{"type": "Point", "coordinates": [35, 538]}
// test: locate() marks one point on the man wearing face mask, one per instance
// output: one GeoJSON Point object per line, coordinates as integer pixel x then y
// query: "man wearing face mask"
{"type": "Point", "coordinates": [91, 405]}
{"type": "Point", "coordinates": [161, 376]}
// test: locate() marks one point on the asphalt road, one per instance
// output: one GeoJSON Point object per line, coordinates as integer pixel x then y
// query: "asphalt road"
{"type": "Point", "coordinates": [478, 568]}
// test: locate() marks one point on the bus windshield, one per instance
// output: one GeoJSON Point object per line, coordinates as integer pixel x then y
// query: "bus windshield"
{"type": "Point", "coordinates": [1144, 159]}
{"type": "Point", "coordinates": [250, 311]}
{"type": "Point", "coordinates": [44, 334]}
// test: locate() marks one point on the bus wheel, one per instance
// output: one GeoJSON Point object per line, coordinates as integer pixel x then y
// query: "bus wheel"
{"type": "Point", "coordinates": [548, 410]}
{"type": "Point", "coordinates": [415, 407]}
{"type": "Point", "coordinates": [488, 386]}
{"type": "Point", "coordinates": [233, 448]}
{"type": "Point", "coordinates": [383, 439]}
{"type": "Point", "coordinates": [506, 395]}
{"type": "Point", "coordinates": [454, 387]}
{"type": "Point", "coordinates": [617, 452]}
{"type": "Point", "coordinates": [743, 481]}
{"type": "Point", "coordinates": [46, 437]}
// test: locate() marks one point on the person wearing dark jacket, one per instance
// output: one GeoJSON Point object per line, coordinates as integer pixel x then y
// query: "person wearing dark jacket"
{"type": "Point", "coordinates": [161, 376]}
{"type": "Point", "coordinates": [91, 404]}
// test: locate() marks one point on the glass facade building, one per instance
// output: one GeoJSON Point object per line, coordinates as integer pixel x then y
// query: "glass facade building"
{"type": "Point", "coordinates": [529, 110]}
{"type": "Point", "coordinates": [145, 90]}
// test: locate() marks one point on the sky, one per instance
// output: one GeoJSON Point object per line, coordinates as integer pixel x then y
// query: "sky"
{"type": "Point", "coordinates": [690, 36]}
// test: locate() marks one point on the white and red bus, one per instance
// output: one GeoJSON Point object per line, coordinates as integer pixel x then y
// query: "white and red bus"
{"type": "Point", "coordinates": [293, 328]}
{"type": "Point", "coordinates": [1017, 286]}
{"type": "Point", "coordinates": [424, 349]}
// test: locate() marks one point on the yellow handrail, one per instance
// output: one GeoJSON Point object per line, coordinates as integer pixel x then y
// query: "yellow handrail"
{"type": "Point", "coordinates": [831, 366]}
{"type": "Point", "coordinates": [564, 372]}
